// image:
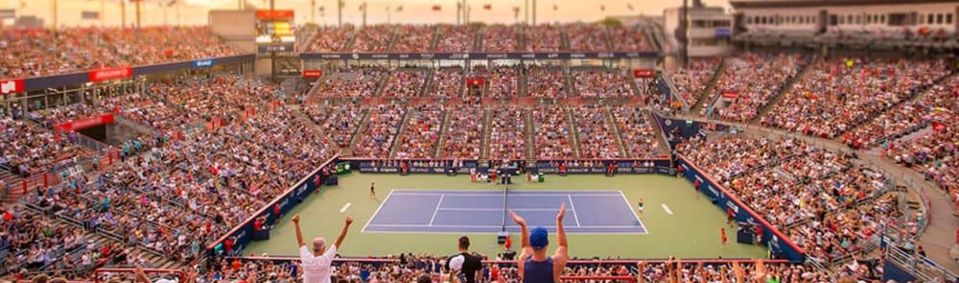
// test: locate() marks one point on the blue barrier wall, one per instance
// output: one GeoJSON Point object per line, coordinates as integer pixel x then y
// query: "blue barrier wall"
{"type": "Point", "coordinates": [243, 233]}
{"type": "Point", "coordinates": [779, 245]}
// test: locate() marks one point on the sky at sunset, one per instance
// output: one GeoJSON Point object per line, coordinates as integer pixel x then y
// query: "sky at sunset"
{"type": "Point", "coordinates": [194, 12]}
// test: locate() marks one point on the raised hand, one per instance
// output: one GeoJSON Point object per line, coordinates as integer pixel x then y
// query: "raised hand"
{"type": "Point", "coordinates": [349, 220]}
{"type": "Point", "coordinates": [518, 219]}
{"type": "Point", "coordinates": [296, 218]}
{"type": "Point", "coordinates": [562, 212]}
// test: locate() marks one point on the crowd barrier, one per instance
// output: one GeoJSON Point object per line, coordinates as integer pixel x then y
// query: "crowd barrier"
{"type": "Point", "coordinates": [242, 234]}
{"type": "Point", "coordinates": [778, 244]}
{"type": "Point", "coordinates": [659, 165]}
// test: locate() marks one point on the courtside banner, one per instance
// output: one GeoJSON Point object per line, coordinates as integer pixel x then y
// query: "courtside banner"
{"type": "Point", "coordinates": [601, 166]}
{"type": "Point", "coordinates": [11, 86]}
{"type": "Point", "coordinates": [780, 246]}
{"type": "Point", "coordinates": [427, 166]}
{"type": "Point", "coordinates": [478, 56]}
{"type": "Point", "coordinates": [110, 74]}
{"type": "Point", "coordinates": [242, 234]}
{"type": "Point", "coordinates": [74, 125]}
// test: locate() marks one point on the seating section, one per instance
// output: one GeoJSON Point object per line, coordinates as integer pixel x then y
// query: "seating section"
{"type": "Point", "coordinates": [595, 133]}
{"type": "Point", "coordinates": [755, 79]}
{"type": "Point", "coordinates": [551, 134]}
{"type": "Point", "coordinates": [422, 132]}
{"type": "Point", "coordinates": [382, 126]}
{"type": "Point", "coordinates": [601, 83]}
{"type": "Point", "coordinates": [638, 134]}
{"type": "Point", "coordinates": [464, 134]}
{"type": "Point", "coordinates": [508, 134]}
{"type": "Point", "coordinates": [691, 81]}
{"type": "Point", "coordinates": [839, 93]}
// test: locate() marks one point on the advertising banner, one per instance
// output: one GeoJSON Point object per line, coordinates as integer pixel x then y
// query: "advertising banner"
{"type": "Point", "coordinates": [110, 74]}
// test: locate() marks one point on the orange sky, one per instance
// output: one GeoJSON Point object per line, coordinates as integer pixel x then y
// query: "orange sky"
{"type": "Point", "coordinates": [194, 12]}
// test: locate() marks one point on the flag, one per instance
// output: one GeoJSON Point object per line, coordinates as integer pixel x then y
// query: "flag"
{"type": "Point", "coordinates": [321, 9]}
{"type": "Point", "coordinates": [488, 7]}
{"type": "Point", "coordinates": [363, 7]}
{"type": "Point", "coordinates": [342, 4]}
{"type": "Point", "coordinates": [172, 2]}
{"type": "Point", "coordinates": [555, 7]}
{"type": "Point", "coordinates": [399, 8]}
{"type": "Point", "coordinates": [629, 6]}
{"type": "Point", "coordinates": [23, 4]}
{"type": "Point", "coordinates": [515, 9]}
{"type": "Point", "coordinates": [602, 8]}
{"type": "Point", "coordinates": [90, 15]}
{"type": "Point", "coordinates": [437, 8]}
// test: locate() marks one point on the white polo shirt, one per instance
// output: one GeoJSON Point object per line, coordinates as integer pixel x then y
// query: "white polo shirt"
{"type": "Point", "coordinates": [316, 269]}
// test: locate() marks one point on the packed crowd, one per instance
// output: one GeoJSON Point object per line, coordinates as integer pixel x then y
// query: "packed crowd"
{"type": "Point", "coordinates": [447, 82]}
{"type": "Point", "coordinates": [421, 135]}
{"type": "Point", "coordinates": [330, 38]}
{"type": "Point", "coordinates": [464, 134]}
{"type": "Point", "coordinates": [413, 39]}
{"type": "Point", "coordinates": [637, 132]}
{"type": "Point", "coordinates": [586, 37]}
{"type": "Point", "coordinates": [840, 93]}
{"type": "Point", "coordinates": [936, 105]}
{"type": "Point", "coordinates": [596, 136]}
{"type": "Point", "coordinates": [551, 133]}
{"type": "Point", "coordinates": [754, 78]}
{"type": "Point", "coordinates": [351, 82]}
{"type": "Point", "coordinates": [27, 149]}
{"type": "Point", "coordinates": [601, 83]}
{"type": "Point", "coordinates": [455, 38]}
{"type": "Point", "coordinates": [373, 38]}
{"type": "Point", "coordinates": [340, 122]}
{"type": "Point", "coordinates": [382, 126]}
{"type": "Point", "coordinates": [507, 139]}
{"type": "Point", "coordinates": [503, 81]}
{"type": "Point", "coordinates": [546, 81]}
{"type": "Point", "coordinates": [834, 206]}
{"type": "Point", "coordinates": [543, 38]}
{"type": "Point", "coordinates": [500, 38]}
{"type": "Point", "coordinates": [32, 53]}
{"type": "Point", "coordinates": [405, 83]}
{"type": "Point", "coordinates": [691, 81]}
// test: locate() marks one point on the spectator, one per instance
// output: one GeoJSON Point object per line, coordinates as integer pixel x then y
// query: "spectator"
{"type": "Point", "coordinates": [533, 264]}
{"type": "Point", "coordinates": [465, 265]}
{"type": "Point", "coordinates": [318, 260]}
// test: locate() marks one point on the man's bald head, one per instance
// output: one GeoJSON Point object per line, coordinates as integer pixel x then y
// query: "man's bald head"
{"type": "Point", "coordinates": [319, 245]}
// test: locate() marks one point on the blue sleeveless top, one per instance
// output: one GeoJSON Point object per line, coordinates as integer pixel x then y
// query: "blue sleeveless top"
{"type": "Point", "coordinates": [538, 271]}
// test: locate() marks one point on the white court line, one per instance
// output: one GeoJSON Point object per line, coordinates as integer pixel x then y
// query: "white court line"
{"type": "Point", "coordinates": [572, 208]}
{"type": "Point", "coordinates": [437, 209]}
{"type": "Point", "coordinates": [666, 208]}
{"type": "Point", "coordinates": [377, 211]}
{"type": "Point", "coordinates": [345, 207]}
{"type": "Point", "coordinates": [511, 195]}
{"type": "Point", "coordinates": [628, 206]}
{"type": "Point", "coordinates": [487, 226]}
{"type": "Point", "coordinates": [497, 209]}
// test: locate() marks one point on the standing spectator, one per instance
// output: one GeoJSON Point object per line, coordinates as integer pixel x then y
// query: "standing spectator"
{"type": "Point", "coordinates": [533, 264]}
{"type": "Point", "coordinates": [465, 265]}
{"type": "Point", "coordinates": [316, 263]}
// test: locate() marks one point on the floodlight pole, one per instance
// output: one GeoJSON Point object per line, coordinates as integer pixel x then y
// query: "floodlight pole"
{"type": "Point", "coordinates": [534, 12]}
{"type": "Point", "coordinates": [53, 12]}
{"type": "Point", "coordinates": [138, 12]}
{"type": "Point", "coordinates": [313, 11]}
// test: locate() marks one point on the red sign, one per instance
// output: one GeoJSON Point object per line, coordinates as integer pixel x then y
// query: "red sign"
{"type": "Point", "coordinates": [477, 81]}
{"type": "Point", "coordinates": [274, 14]}
{"type": "Point", "coordinates": [437, 8]}
{"type": "Point", "coordinates": [11, 86]}
{"type": "Point", "coordinates": [644, 73]}
{"type": "Point", "coordinates": [110, 74]}
{"type": "Point", "coordinates": [730, 94]}
{"type": "Point", "coordinates": [312, 74]}
{"type": "Point", "coordinates": [938, 126]}
{"type": "Point", "coordinates": [74, 125]}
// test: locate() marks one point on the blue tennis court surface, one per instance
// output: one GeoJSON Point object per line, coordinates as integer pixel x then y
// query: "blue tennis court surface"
{"type": "Point", "coordinates": [469, 211]}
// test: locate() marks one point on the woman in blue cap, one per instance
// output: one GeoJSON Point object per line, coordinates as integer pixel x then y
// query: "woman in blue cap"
{"type": "Point", "coordinates": [533, 263]}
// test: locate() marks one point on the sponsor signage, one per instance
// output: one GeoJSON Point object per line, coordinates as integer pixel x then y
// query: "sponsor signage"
{"type": "Point", "coordinates": [110, 74]}
{"type": "Point", "coordinates": [74, 125]}
{"type": "Point", "coordinates": [11, 86]}
{"type": "Point", "coordinates": [204, 63]}
{"type": "Point", "coordinates": [312, 74]}
{"type": "Point", "coordinates": [644, 73]}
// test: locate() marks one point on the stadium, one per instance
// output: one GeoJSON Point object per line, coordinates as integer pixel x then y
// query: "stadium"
{"type": "Point", "coordinates": [561, 141]}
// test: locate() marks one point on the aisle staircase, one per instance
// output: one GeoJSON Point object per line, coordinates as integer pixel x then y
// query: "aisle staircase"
{"type": "Point", "coordinates": [397, 141]}
{"type": "Point", "coordinates": [611, 119]}
{"type": "Point", "coordinates": [710, 86]}
{"type": "Point", "coordinates": [444, 125]}
{"type": "Point", "coordinates": [573, 131]}
{"type": "Point", "coordinates": [787, 88]}
{"type": "Point", "coordinates": [487, 129]}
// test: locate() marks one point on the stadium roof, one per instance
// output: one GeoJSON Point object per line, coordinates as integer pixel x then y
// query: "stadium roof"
{"type": "Point", "coordinates": [825, 3]}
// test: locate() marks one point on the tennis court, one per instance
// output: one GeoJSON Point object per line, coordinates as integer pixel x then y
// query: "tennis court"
{"type": "Point", "coordinates": [482, 211]}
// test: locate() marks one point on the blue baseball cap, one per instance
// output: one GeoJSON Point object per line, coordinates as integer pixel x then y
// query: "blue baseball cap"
{"type": "Point", "coordinates": [538, 238]}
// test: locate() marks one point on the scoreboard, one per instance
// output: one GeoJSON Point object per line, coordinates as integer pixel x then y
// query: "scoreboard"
{"type": "Point", "coordinates": [275, 31]}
